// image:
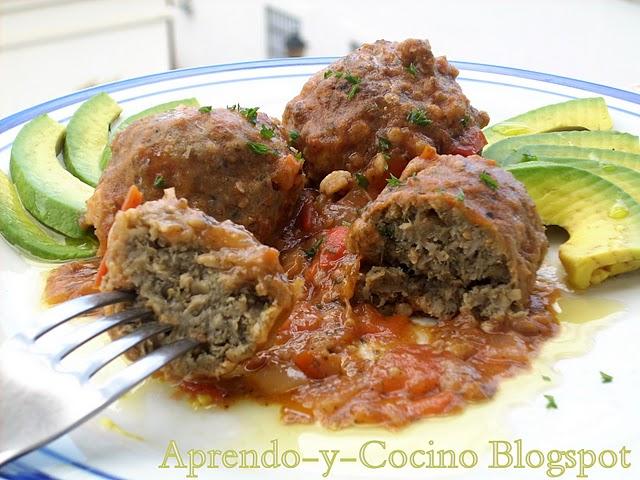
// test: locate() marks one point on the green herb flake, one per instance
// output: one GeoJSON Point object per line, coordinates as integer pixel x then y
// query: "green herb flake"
{"type": "Point", "coordinates": [233, 108]}
{"type": "Point", "coordinates": [298, 157]}
{"type": "Point", "coordinates": [417, 116]}
{"type": "Point", "coordinates": [294, 135]}
{"type": "Point", "coordinates": [205, 109]}
{"type": "Point", "coordinates": [384, 144]}
{"type": "Point", "coordinates": [352, 91]}
{"type": "Point", "coordinates": [546, 378]}
{"type": "Point", "coordinates": [159, 182]}
{"type": "Point", "coordinates": [488, 180]}
{"type": "Point", "coordinates": [362, 181]}
{"type": "Point", "coordinates": [311, 252]}
{"type": "Point", "coordinates": [412, 69]}
{"type": "Point", "coordinates": [551, 402]}
{"type": "Point", "coordinates": [606, 378]}
{"type": "Point", "coordinates": [259, 148]}
{"type": "Point", "coordinates": [527, 157]}
{"type": "Point", "coordinates": [394, 181]}
{"type": "Point", "coordinates": [328, 73]}
{"type": "Point", "coordinates": [464, 121]}
{"type": "Point", "coordinates": [352, 79]}
{"type": "Point", "coordinates": [251, 114]}
{"type": "Point", "coordinates": [267, 132]}
{"type": "Point", "coordinates": [338, 74]}
{"type": "Point", "coordinates": [460, 196]}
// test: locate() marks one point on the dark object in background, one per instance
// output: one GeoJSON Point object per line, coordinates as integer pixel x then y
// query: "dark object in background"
{"type": "Point", "coordinates": [295, 45]}
{"type": "Point", "coordinates": [280, 26]}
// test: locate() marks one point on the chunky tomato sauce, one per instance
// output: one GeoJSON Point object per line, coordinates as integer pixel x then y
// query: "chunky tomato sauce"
{"type": "Point", "coordinates": [341, 362]}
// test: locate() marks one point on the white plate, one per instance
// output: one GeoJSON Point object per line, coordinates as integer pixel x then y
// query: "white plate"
{"type": "Point", "coordinates": [590, 415]}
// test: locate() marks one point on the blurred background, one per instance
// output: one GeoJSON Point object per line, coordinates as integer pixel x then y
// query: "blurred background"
{"type": "Point", "coordinates": [50, 48]}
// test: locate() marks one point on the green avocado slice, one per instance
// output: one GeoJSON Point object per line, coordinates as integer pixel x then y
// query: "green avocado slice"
{"type": "Point", "coordinates": [48, 191]}
{"type": "Point", "coordinates": [19, 229]}
{"type": "Point", "coordinates": [607, 140]}
{"type": "Point", "coordinates": [603, 221]}
{"type": "Point", "coordinates": [548, 152]}
{"type": "Point", "coordinates": [163, 107]}
{"type": "Point", "coordinates": [578, 114]}
{"type": "Point", "coordinates": [87, 135]}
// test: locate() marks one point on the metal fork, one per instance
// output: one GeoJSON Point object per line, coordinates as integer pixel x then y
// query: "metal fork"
{"type": "Point", "coordinates": [32, 414]}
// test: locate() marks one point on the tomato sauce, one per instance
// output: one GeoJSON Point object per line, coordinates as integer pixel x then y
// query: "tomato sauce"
{"type": "Point", "coordinates": [343, 363]}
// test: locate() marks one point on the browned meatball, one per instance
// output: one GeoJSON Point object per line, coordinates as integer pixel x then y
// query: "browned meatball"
{"type": "Point", "coordinates": [219, 160]}
{"type": "Point", "coordinates": [211, 280]}
{"type": "Point", "coordinates": [454, 233]}
{"type": "Point", "coordinates": [379, 107]}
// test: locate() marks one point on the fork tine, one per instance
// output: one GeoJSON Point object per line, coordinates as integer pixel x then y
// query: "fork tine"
{"type": "Point", "coordinates": [141, 369]}
{"type": "Point", "coordinates": [116, 348]}
{"type": "Point", "coordinates": [95, 328]}
{"type": "Point", "coordinates": [68, 310]}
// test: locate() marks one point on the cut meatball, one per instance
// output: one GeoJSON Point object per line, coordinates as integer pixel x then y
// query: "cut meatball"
{"type": "Point", "coordinates": [212, 280]}
{"type": "Point", "coordinates": [452, 234]}
{"type": "Point", "coordinates": [385, 99]}
{"type": "Point", "coordinates": [219, 160]}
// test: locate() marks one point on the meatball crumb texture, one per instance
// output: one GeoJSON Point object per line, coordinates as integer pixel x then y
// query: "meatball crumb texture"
{"type": "Point", "coordinates": [452, 234]}
{"type": "Point", "coordinates": [213, 281]}
{"type": "Point", "coordinates": [231, 163]}
{"type": "Point", "coordinates": [387, 98]}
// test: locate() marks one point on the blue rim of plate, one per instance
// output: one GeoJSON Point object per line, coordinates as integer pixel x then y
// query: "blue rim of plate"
{"type": "Point", "coordinates": [18, 469]}
{"type": "Point", "coordinates": [29, 113]}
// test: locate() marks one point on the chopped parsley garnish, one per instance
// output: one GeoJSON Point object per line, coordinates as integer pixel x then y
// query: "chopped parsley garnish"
{"type": "Point", "coordinates": [606, 378]}
{"type": "Point", "coordinates": [412, 69]}
{"type": "Point", "coordinates": [250, 114]}
{"type": "Point", "coordinates": [460, 196]}
{"type": "Point", "coordinates": [464, 121]}
{"type": "Point", "coordinates": [546, 378]}
{"type": "Point", "coordinates": [488, 180]}
{"type": "Point", "coordinates": [259, 148]}
{"type": "Point", "coordinates": [338, 74]}
{"type": "Point", "coordinates": [328, 73]}
{"type": "Point", "coordinates": [352, 91]}
{"type": "Point", "coordinates": [551, 402]}
{"type": "Point", "coordinates": [527, 157]}
{"type": "Point", "coordinates": [233, 108]}
{"type": "Point", "coordinates": [294, 135]}
{"type": "Point", "coordinates": [417, 116]}
{"type": "Point", "coordinates": [352, 79]}
{"type": "Point", "coordinates": [311, 252]}
{"type": "Point", "coordinates": [362, 181]}
{"type": "Point", "coordinates": [159, 182]}
{"type": "Point", "coordinates": [394, 181]}
{"type": "Point", "coordinates": [384, 144]}
{"type": "Point", "coordinates": [298, 157]}
{"type": "Point", "coordinates": [205, 109]}
{"type": "Point", "coordinates": [267, 132]}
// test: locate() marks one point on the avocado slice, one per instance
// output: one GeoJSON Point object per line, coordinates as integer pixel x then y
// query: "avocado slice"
{"type": "Point", "coordinates": [19, 229]}
{"type": "Point", "coordinates": [87, 135]}
{"type": "Point", "coordinates": [163, 107]}
{"type": "Point", "coordinates": [607, 140]}
{"type": "Point", "coordinates": [48, 191]}
{"type": "Point", "coordinates": [548, 152]}
{"type": "Point", "coordinates": [578, 114]}
{"type": "Point", "coordinates": [603, 221]}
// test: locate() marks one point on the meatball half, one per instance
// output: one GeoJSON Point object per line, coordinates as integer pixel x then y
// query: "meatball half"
{"type": "Point", "coordinates": [232, 164]}
{"type": "Point", "coordinates": [454, 233]}
{"type": "Point", "coordinates": [378, 107]}
{"type": "Point", "coordinates": [212, 280]}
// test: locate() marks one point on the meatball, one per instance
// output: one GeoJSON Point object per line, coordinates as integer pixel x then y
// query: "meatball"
{"type": "Point", "coordinates": [212, 280]}
{"type": "Point", "coordinates": [453, 233]}
{"type": "Point", "coordinates": [385, 99]}
{"type": "Point", "coordinates": [232, 164]}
